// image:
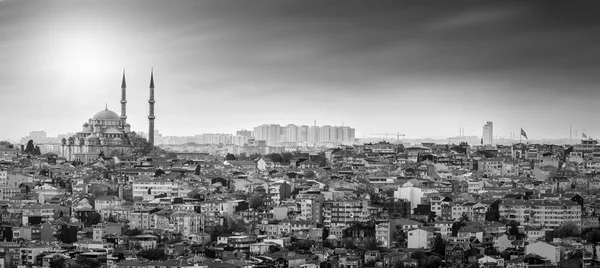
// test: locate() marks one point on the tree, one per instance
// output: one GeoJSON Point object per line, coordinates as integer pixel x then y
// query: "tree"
{"type": "Point", "coordinates": [430, 262]}
{"type": "Point", "coordinates": [492, 251]}
{"type": "Point", "coordinates": [505, 255]}
{"type": "Point", "coordinates": [286, 157]}
{"type": "Point", "coordinates": [493, 212]}
{"type": "Point", "coordinates": [388, 192]}
{"type": "Point", "coordinates": [439, 246]}
{"type": "Point", "coordinates": [140, 145]}
{"type": "Point", "coordinates": [456, 226]}
{"type": "Point", "coordinates": [309, 175]}
{"type": "Point", "coordinates": [371, 244]}
{"type": "Point", "coordinates": [568, 229]}
{"type": "Point", "coordinates": [431, 217]}
{"type": "Point", "coordinates": [57, 262]}
{"type": "Point", "coordinates": [133, 232]}
{"type": "Point", "coordinates": [92, 219]}
{"type": "Point", "coordinates": [197, 170]}
{"type": "Point", "coordinates": [401, 239]}
{"type": "Point", "coordinates": [136, 245]}
{"type": "Point", "coordinates": [349, 243]}
{"type": "Point", "coordinates": [153, 254]}
{"type": "Point", "coordinates": [591, 235]}
{"type": "Point", "coordinates": [159, 172]}
{"type": "Point", "coordinates": [83, 262]}
{"type": "Point", "coordinates": [302, 244]}
{"type": "Point", "coordinates": [255, 201]}
{"type": "Point", "coordinates": [6, 144]}
{"type": "Point", "coordinates": [115, 152]}
{"type": "Point", "coordinates": [275, 157]}
{"type": "Point", "coordinates": [30, 147]}
{"type": "Point", "coordinates": [230, 157]}
{"type": "Point", "coordinates": [513, 227]}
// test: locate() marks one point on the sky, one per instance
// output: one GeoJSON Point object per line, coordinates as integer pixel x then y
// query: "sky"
{"type": "Point", "coordinates": [422, 68]}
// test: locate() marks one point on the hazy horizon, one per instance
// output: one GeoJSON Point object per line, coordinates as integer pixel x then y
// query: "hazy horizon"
{"type": "Point", "coordinates": [423, 68]}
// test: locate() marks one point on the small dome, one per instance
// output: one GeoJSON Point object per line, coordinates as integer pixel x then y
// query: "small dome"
{"type": "Point", "coordinates": [127, 125]}
{"type": "Point", "coordinates": [87, 129]}
{"type": "Point", "coordinates": [91, 137]}
{"type": "Point", "coordinates": [106, 114]}
{"type": "Point", "coordinates": [85, 125]}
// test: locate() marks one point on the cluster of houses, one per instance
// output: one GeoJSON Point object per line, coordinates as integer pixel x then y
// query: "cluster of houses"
{"type": "Point", "coordinates": [371, 205]}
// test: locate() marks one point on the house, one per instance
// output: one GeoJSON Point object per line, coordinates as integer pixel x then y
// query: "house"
{"type": "Point", "coordinates": [550, 251]}
{"type": "Point", "coordinates": [460, 253]}
{"type": "Point", "coordinates": [444, 228]}
{"type": "Point", "coordinates": [102, 203]}
{"type": "Point", "coordinates": [101, 230]}
{"type": "Point", "coordinates": [502, 242]}
{"type": "Point", "coordinates": [420, 238]}
{"type": "Point", "coordinates": [308, 165]}
{"type": "Point", "coordinates": [487, 261]}
{"type": "Point", "coordinates": [406, 224]}
{"type": "Point", "coordinates": [535, 233]}
{"type": "Point", "coordinates": [529, 260]}
{"type": "Point", "coordinates": [349, 261]}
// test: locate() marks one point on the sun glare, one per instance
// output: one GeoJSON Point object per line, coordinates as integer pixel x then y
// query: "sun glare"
{"type": "Point", "coordinates": [83, 55]}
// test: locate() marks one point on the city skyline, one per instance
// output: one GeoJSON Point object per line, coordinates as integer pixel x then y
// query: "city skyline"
{"type": "Point", "coordinates": [423, 70]}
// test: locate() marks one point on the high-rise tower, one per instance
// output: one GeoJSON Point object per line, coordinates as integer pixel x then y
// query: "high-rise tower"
{"type": "Point", "coordinates": [123, 98]}
{"type": "Point", "coordinates": [151, 116]}
{"type": "Point", "coordinates": [488, 133]}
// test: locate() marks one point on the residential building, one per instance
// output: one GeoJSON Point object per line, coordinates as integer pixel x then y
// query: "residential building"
{"type": "Point", "coordinates": [420, 238]}
{"type": "Point", "coordinates": [546, 250]}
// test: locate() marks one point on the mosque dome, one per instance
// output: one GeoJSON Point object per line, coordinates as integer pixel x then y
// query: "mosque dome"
{"type": "Point", "coordinates": [87, 130]}
{"type": "Point", "coordinates": [92, 136]}
{"type": "Point", "coordinates": [106, 114]}
{"type": "Point", "coordinates": [85, 125]}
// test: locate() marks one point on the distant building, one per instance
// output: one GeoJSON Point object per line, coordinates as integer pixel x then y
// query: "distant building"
{"type": "Point", "coordinates": [488, 133]}
{"type": "Point", "coordinates": [244, 133]}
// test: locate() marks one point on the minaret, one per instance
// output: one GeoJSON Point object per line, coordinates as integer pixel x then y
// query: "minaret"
{"type": "Point", "coordinates": [123, 99]}
{"type": "Point", "coordinates": [151, 116]}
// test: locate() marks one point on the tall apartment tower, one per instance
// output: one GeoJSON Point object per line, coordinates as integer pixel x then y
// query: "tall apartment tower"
{"type": "Point", "coordinates": [151, 116]}
{"type": "Point", "coordinates": [488, 133]}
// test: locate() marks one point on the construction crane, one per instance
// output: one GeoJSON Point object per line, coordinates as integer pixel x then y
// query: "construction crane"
{"type": "Point", "coordinates": [398, 135]}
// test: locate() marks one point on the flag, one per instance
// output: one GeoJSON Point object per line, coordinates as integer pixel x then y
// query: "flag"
{"type": "Point", "coordinates": [583, 135]}
{"type": "Point", "coordinates": [524, 134]}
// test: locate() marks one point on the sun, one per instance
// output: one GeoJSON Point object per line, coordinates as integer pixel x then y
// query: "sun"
{"type": "Point", "coordinates": [84, 55]}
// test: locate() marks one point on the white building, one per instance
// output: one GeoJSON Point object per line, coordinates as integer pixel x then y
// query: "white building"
{"type": "Point", "coordinates": [547, 213]}
{"type": "Point", "coordinates": [148, 188]}
{"type": "Point", "coordinates": [3, 177]}
{"type": "Point", "coordinates": [488, 133]}
{"type": "Point", "coordinates": [419, 238]}
{"type": "Point", "coordinates": [546, 250]}
{"type": "Point", "coordinates": [412, 194]}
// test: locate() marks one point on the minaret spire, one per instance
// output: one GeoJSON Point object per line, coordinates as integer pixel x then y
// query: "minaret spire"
{"type": "Point", "coordinates": [151, 116]}
{"type": "Point", "coordinates": [123, 98]}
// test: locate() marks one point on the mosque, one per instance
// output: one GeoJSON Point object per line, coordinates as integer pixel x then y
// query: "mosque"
{"type": "Point", "coordinates": [106, 131]}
